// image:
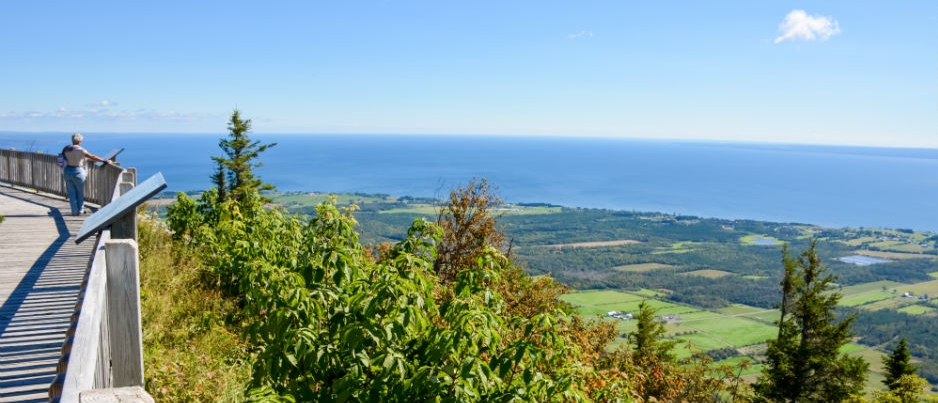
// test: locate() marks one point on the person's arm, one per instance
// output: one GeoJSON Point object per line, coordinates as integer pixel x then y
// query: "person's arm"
{"type": "Point", "coordinates": [95, 157]}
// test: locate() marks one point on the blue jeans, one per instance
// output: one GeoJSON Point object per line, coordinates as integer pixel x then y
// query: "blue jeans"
{"type": "Point", "coordinates": [75, 187]}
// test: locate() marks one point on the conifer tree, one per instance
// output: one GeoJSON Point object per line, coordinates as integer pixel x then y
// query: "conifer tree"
{"type": "Point", "coordinates": [898, 364]}
{"type": "Point", "coordinates": [234, 176]}
{"type": "Point", "coordinates": [646, 338]}
{"type": "Point", "coordinates": [804, 363]}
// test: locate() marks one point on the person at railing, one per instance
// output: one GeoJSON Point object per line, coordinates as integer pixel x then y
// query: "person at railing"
{"type": "Point", "coordinates": [75, 173]}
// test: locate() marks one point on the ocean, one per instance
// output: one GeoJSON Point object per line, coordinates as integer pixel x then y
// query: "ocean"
{"type": "Point", "coordinates": [833, 186]}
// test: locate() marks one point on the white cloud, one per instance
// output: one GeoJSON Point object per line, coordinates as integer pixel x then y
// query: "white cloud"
{"type": "Point", "coordinates": [798, 25]}
{"type": "Point", "coordinates": [581, 34]}
{"type": "Point", "coordinates": [98, 111]}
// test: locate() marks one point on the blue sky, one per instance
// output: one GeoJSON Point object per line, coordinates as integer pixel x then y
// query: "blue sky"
{"type": "Point", "coordinates": [831, 72]}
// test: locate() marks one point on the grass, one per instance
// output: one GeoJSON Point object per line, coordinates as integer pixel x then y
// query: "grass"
{"type": "Point", "coordinates": [641, 267]}
{"type": "Point", "coordinates": [648, 293]}
{"type": "Point", "coordinates": [521, 210]}
{"type": "Point", "coordinates": [421, 210]}
{"type": "Point", "coordinates": [735, 331]}
{"type": "Point", "coordinates": [594, 299]}
{"type": "Point", "coordinates": [882, 285]}
{"type": "Point", "coordinates": [929, 288]}
{"type": "Point", "coordinates": [698, 342]}
{"type": "Point", "coordinates": [892, 255]}
{"type": "Point", "coordinates": [899, 246]}
{"type": "Point", "coordinates": [708, 273]}
{"type": "Point", "coordinates": [863, 299]}
{"type": "Point", "coordinates": [753, 369]}
{"type": "Point", "coordinates": [916, 309]}
{"type": "Point", "coordinates": [681, 310]}
{"type": "Point", "coordinates": [769, 316]}
{"type": "Point", "coordinates": [699, 315]}
{"type": "Point", "coordinates": [737, 309]}
{"type": "Point", "coordinates": [190, 351]}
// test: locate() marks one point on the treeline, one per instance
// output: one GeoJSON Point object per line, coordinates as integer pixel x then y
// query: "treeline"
{"type": "Point", "coordinates": [879, 328]}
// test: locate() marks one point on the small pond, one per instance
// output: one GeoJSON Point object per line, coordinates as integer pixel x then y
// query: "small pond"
{"type": "Point", "coordinates": [861, 260]}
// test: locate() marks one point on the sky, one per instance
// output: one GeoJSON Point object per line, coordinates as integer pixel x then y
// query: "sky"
{"type": "Point", "coordinates": [814, 72]}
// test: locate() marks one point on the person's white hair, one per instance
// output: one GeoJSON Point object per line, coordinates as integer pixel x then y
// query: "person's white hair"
{"type": "Point", "coordinates": [76, 138]}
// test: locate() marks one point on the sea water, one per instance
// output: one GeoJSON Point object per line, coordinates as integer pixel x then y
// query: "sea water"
{"type": "Point", "coordinates": [826, 185]}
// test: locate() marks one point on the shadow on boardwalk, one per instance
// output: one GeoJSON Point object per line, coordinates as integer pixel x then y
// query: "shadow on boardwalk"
{"type": "Point", "coordinates": [41, 271]}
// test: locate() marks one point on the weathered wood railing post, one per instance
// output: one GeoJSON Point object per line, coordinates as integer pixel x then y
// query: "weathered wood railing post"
{"type": "Point", "coordinates": [123, 295]}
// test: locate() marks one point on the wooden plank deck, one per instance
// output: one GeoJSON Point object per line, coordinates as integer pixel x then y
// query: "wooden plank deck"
{"type": "Point", "coordinates": [41, 270]}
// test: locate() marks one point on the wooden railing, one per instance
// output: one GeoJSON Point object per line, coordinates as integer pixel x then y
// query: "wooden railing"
{"type": "Point", "coordinates": [102, 357]}
{"type": "Point", "coordinates": [39, 171]}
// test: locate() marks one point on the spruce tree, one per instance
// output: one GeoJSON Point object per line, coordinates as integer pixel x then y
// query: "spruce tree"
{"type": "Point", "coordinates": [234, 176]}
{"type": "Point", "coordinates": [898, 364]}
{"type": "Point", "coordinates": [804, 363]}
{"type": "Point", "coordinates": [645, 339]}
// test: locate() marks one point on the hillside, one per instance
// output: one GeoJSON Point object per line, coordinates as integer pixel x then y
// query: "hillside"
{"type": "Point", "coordinates": [714, 281]}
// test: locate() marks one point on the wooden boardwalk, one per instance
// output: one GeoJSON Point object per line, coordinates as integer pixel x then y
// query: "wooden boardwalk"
{"type": "Point", "coordinates": [41, 270]}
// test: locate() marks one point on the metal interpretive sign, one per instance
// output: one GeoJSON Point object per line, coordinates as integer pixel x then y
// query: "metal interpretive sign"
{"type": "Point", "coordinates": [117, 208]}
{"type": "Point", "coordinates": [112, 155]}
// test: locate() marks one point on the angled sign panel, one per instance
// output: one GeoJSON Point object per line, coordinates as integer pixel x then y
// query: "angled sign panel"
{"type": "Point", "coordinates": [117, 208]}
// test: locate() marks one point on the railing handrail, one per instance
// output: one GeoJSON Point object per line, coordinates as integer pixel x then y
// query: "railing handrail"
{"type": "Point", "coordinates": [39, 171]}
{"type": "Point", "coordinates": [102, 357]}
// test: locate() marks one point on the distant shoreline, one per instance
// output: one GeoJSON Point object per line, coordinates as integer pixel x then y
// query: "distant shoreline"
{"type": "Point", "coordinates": [166, 198]}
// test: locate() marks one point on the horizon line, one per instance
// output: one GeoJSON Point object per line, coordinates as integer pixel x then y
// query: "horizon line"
{"type": "Point", "coordinates": [541, 135]}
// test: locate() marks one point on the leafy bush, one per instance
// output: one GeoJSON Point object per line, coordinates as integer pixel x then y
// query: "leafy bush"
{"type": "Point", "coordinates": [324, 319]}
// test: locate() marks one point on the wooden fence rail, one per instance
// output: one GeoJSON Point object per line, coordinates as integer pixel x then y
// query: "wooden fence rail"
{"type": "Point", "coordinates": [102, 358]}
{"type": "Point", "coordinates": [39, 171]}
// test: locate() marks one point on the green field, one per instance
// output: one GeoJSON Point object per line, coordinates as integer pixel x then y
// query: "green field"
{"type": "Point", "coordinates": [883, 285]}
{"type": "Point", "coordinates": [706, 330]}
{"type": "Point", "coordinates": [708, 273]}
{"type": "Point", "coordinates": [423, 209]}
{"type": "Point", "coordinates": [769, 316]}
{"type": "Point", "coordinates": [641, 267]}
{"type": "Point", "coordinates": [594, 299]}
{"type": "Point", "coordinates": [862, 299]}
{"type": "Point", "coordinates": [699, 342]}
{"type": "Point", "coordinates": [916, 309]}
{"type": "Point", "coordinates": [700, 315]}
{"type": "Point", "coordinates": [740, 309]}
{"type": "Point", "coordinates": [753, 369]}
{"type": "Point", "coordinates": [929, 288]}
{"type": "Point", "coordinates": [735, 331]}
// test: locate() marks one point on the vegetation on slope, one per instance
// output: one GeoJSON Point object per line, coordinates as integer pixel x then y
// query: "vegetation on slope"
{"type": "Point", "coordinates": [192, 346]}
